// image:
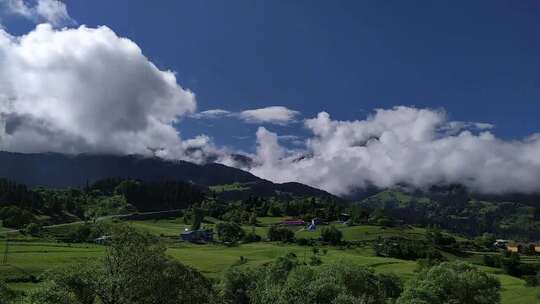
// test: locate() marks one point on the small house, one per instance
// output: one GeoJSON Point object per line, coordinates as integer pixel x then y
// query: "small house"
{"type": "Point", "coordinates": [513, 247]}
{"type": "Point", "coordinates": [312, 226]}
{"type": "Point", "coordinates": [102, 240]}
{"type": "Point", "coordinates": [537, 247]}
{"type": "Point", "coordinates": [200, 236]}
{"type": "Point", "coordinates": [343, 217]}
{"type": "Point", "coordinates": [500, 243]}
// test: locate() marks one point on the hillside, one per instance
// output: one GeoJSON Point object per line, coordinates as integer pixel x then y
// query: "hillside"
{"type": "Point", "coordinates": [53, 170]}
{"type": "Point", "coordinates": [61, 171]}
{"type": "Point", "coordinates": [459, 211]}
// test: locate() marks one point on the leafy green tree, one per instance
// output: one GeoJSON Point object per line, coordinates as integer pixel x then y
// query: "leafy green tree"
{"type": "Point", "coordinates": [15, 217]}
{"type": "Point", "coordinates": [134, 270]}
{"type": "Point", "coordinates": [253, 219]}
{"type": "Point", "coordinates": [454, 282]}
{"type": "Point", "coordinates": [33, 229]}
{"type": "Point", "coordinates": [286, 281]}
{"type": "Point", "coordinates": [281, 234]}
{"type": "Point", "coordinates": [236, 285]}
{"type": "Point", "coordinates": [251, 237]}
{"type": "Point", "coordinates": [198, 217]}
{"type": "Point", "coordinates": [331, 235]}
{"type": "Point", "coordinates": [229, 232]}
{"type": "Point", "coordinates": [6, 294]}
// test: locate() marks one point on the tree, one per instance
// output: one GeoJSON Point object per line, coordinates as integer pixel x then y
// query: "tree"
{"type": "Point", "coordinates": [198, 217]}
{"type": "Point", "coordinates": [15, 217]}
{"type": "Point", "coordinates": [287, 281]}
{"type": "Point", "coordinates": [229, 232]}
{"type": "Point", "coordinates": [253, 219]}
{"type": "Point", "coordinates": [134, 270]}
{"type": "Point", "coordinates": [6, 294]}
{"type": "Point", "coordinates": [280, 234]}
{"type": "Point", "coordinates": [251, 237]}
{"type": "Point", "coordinates": [331, 235]}
{"type": "Point", "coordinates": [236, 285]}
{"type": "Point", "coordinates": [454, 282]}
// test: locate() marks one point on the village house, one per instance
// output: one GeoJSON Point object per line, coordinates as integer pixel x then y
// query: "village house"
{"type": "Point", "coordinates": [514, 247]}
{"type": "Point", "coordinates": [197, 236]}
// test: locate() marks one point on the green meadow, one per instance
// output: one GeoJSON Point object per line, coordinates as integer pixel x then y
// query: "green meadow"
{"type": "Point", "coordinates": [29, 257]}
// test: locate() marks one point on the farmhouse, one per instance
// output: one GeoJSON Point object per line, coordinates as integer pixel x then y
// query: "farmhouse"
{"type": "Point", "coordinates": [197, 236]}
{"type": "Point", "coordinates": [102, 240]}
{"type": "Point", "coordinates": [513, 247]}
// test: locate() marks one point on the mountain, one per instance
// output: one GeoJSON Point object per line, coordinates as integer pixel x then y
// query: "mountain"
{"type": "Point", "coordinates": [56, 170]}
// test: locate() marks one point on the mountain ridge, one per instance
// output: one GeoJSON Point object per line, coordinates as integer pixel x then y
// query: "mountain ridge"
{"type": "Point", "coordinates": [56, 170]}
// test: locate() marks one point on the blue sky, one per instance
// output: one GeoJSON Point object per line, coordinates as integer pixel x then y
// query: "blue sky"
{"type": "Point", "coordinates": [444, 72]}
{"type": "Point", "coordinates": [479, 60]}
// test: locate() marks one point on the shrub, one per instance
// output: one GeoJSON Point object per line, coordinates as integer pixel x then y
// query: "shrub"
{"type": "Point", "coordinates": [251, 237]}
{"type": "Point", "coordinates": [452, 283]}
{"type": "Point", "coordinates": [229, 232]}
{"type": "Point", "coordinates": [33, 229]}
{"type": "Point", "coordinates": [282, 234]}
{"type": "Point", "coordinates": [331, 235]}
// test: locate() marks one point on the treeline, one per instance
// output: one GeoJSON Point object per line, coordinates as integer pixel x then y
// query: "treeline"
{"type": "Point", "coordinates": [242, 211]}
{"type": "Point", "coordinates": [152, 196]}
{"type": "Point", "coordinates": [136, 270]}
{"type": "Point", "coordinates": [20, 206]}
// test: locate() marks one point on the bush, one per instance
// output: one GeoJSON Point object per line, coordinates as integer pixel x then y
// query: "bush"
{"type": "Point", "coordinates": [135, 269]}
{"type": "Point", "coordinates": [33, 229]}
{"type": "Point", "coordinates": [492, 260]}
{"type": "Point", "coordinates": [331, 235]}
{"type": "Point", "coordinates": [304, 242]}
{"type": "Point", "coordinates": [14, 217]}
{"type": "Point", "coordinates": [251, 237]}
{"type": "Point", "coordinates": [452, 283]}
{"type": "Point", "coordinates": [229, 232]}
{"type": "Point", "coordinates": [6, 294]}
{"type": "Point", "coordinates": [280, 234]}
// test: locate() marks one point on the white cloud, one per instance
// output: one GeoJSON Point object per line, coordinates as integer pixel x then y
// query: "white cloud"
{"type": "Point", "coordinates": [275, 115]}
{"type": "Point", "coordinates": [401, 145]}
{"type": "Point", "coordinates": [278, 115]}
{"type": "Point", "coordinates": [50, 11]}
{"type": "Point", "coordinates": [87, 90]}
{"type": "Point", "coordinates": [211, 114]}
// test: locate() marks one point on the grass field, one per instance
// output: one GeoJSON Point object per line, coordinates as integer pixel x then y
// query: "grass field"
{"type": "Point", "coordinates": [28, 256]}
{"type": "Point", "coordinates": [231, 187]}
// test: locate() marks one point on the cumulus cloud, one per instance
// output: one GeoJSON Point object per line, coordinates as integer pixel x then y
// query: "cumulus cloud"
{"type": "Point", "coordinates": [275, 114]}
{"type": "Point", "coordinates": [88, 90]}
{"type": "Point", "coordinates": [50, 11]}
{"type": "Point", "coordinates": [403, 145]}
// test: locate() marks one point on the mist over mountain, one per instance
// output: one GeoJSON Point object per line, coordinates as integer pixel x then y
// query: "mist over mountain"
{"type": "Point", "coordinates": [56, 170]}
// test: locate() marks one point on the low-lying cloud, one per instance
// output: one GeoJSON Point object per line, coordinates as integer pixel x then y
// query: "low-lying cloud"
{"type": "Point", "coordinates": [403, 145]}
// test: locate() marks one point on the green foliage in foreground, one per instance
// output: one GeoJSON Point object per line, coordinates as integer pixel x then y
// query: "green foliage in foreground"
{"type": "Point", "coordinates": [134, 270]}
{"type": "Point", "coordinates": [288, 281]}
{"type": "Point", "coordinates": [452, 283]}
